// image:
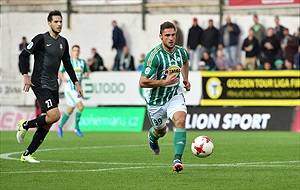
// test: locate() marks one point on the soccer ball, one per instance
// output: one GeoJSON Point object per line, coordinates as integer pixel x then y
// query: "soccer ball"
{"type": "Point", "coordinates": [202, 146]}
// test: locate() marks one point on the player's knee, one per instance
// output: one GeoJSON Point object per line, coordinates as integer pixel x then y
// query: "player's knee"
{"type": "Point", "coordinates": [180, 122]}
{"type": "Point", "coordinates": [53, 117]}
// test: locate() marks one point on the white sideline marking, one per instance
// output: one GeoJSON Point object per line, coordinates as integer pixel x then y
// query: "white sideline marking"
{"type": "Point", "coordinates": [6, 156]}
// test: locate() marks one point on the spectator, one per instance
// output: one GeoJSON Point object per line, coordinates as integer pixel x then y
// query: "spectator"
{"type": "Point", "coordinates": [278, 30]}
{"type": "Point", "coordinates": [141, 62]}
{"type": "Point", "coordinates": [229, 36]}
{"type": "Point", "coordinates": [126, 61]}
{"type": "Point", "coordinates": [267, 65]}
{"type": "Point", "coordinates": [278, 64]}
{"type": "Point", "coordinates": [288, 64]}
{"type": "Point", "coordinates": [259, 30]}
{"type": "Point", "coordinates": [210, 39]}
{"type": "Point", "coordinates": [202, 66]}
{"type": "Point", "coordinates": [179, 34]}
{"type": "Point", "coordinates": [222, 63]}
{"type": "Point", "coordinates": [194, 43]}
{"type": "Point", "coordinates": [251, 47]}
{"type": "Point", "coordinates": [289, 45]}
{"type": "Point", "coordinates": [269, 47]}
{"type": "Point", "coordinates": [240, 67]}
{"type": "Point", "coordinates": [118, 42]}
{"type": "Point", "coordinates": [96, 62]}
{"type": "Point", "coordinates": [22, 46]}
{"type": "Point", "coordinates": [209, 62]}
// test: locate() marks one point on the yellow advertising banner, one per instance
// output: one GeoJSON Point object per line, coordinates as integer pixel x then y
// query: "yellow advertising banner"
{"type": "Point", "coordinates": [251, 88]}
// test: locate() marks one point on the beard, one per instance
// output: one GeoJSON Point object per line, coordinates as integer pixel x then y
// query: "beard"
{"type": "Point", "coordinates": [169, 47]}
{"type": "Point", "coordinates": [56, 32]}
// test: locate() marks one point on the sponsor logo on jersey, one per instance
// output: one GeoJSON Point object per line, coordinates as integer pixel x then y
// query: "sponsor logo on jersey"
{"type": "Point", "coordinates": [48, 45]}
{"type": "Point", "coordinates": [61, 46]}
{"type": "Point", "coordinates": [173, 69]}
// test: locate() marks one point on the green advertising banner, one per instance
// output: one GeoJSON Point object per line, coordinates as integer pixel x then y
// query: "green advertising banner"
{"type": "Point", "coordinates": [113, 119]}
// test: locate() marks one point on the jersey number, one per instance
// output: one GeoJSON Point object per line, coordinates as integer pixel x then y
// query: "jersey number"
{"type": "Point", "coordinates": [49, 103]}
{"type": "Point", "coordinates": [158, 121]}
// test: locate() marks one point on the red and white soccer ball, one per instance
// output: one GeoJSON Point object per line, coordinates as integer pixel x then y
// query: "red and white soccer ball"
{"type": "Point", "coordinates": [202, 146]}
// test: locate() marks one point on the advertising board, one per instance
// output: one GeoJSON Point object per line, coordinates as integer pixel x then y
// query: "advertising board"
{"type": "Point", "coordinates": [113, 119]}
{"type": "Point", "coordinates": [237, 118]}
{"type": "Point", "coordinates": [251, 88]}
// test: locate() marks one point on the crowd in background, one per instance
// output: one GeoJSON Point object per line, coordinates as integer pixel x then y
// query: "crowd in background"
{"type": "Point", "coordinates": [215, 49]}
{"type": "Point", "coordinates": [264, 49]}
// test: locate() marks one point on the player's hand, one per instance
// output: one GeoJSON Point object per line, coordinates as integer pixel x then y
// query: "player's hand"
{"type": "Point", "coordinates": [79, 90]}
{"type": "Point", "coordinates": [27, 83]}
{"type": "Point", "coordinates": [171, 78]}
{"type": "Point", "coordinates": [187, 85]}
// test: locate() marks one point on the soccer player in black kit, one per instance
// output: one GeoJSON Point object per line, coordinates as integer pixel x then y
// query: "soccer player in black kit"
{"type": "Point", "coordinates": [49, 50]}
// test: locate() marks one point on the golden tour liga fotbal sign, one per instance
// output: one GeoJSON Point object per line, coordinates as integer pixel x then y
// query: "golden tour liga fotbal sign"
{"type": "Point", "coordinates": [251, 88]}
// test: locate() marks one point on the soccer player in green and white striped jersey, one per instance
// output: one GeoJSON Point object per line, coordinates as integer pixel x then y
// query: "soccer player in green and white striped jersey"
{"type": "Point", "coordinates": [81, 70]}
{"type": "Point", "coordinates": [160, 74]}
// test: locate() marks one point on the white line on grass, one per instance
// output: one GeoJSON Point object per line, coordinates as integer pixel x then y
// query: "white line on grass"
{"type": "Point", "coordinates": [6, 156]}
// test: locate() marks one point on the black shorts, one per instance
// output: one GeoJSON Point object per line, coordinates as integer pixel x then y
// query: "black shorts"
{"type": "Point", "coordinates": [48, 99]}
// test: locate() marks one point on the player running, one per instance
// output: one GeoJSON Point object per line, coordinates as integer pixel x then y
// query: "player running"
{"type": "Point", "coordinates": [49, 50]}
{"type": "Point", "coordinates": [81, 70]}
{"type": "Point", "coordinates": [161, 73]}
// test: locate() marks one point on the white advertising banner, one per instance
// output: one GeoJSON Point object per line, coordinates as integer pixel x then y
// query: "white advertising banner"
{"type": "Point", "coordinates": [100, 89]}
{"type": "Point", "coordinates": [11, 92]}
{"type": "Point", "coordinates": [122, 88]}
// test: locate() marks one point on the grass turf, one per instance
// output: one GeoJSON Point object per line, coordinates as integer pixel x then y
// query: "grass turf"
{"type": "Point", "coordinates": [242, 160]}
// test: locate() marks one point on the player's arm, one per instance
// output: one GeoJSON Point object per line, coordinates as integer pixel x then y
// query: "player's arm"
{"type": "Point", "coordinates": [145, 82]}
{"type": "Point", "coordinates": [185, 75]}
{"type": "Point", "coordinates": [71, 73]}
{"type": "Point", "coordinates": [69, 68]}
{"type": "Point", "coordinates": [86, 70]}
{"type": "Point", "coordinates": [24, 66]}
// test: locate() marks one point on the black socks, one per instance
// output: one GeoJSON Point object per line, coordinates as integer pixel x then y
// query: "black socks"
{"type": "Point", "coordinates": [37, 122]}
{"type": "Point", "coordinates": [37, 140]}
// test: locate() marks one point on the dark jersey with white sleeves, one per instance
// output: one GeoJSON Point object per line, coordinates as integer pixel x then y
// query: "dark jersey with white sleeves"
{"type": "Point", "coordinates": [48, 54]}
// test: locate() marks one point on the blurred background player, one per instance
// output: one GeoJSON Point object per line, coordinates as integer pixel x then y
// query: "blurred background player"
{"type": "Point", "coordinates": [81, 70]}
{"type": "Point", "coordinates": [164, 97]}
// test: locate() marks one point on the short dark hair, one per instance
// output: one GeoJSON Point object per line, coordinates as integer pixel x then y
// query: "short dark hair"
{"type": "Point", "coordinates": [166, 25]}
{"type": "Point", "coordinates": [53, 13]}
{"type": "Point", "coordinates": [75, 46]}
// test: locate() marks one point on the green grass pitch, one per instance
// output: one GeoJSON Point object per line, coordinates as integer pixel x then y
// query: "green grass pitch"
{"type": "Point", "coordinates": [241, 160]}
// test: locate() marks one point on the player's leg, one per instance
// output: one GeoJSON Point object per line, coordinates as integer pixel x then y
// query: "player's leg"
{"type": "Point", "coordinates": [71, 96]}
{"type": "Point", "coordinates": [79, 107]}
{"type": "Point", "coordinates": [49, 102]}
{"type": "Point", "coordinates": [39, 136]}
{"type": "Point", "coordinates": [158, 119]}
{"type": "Point", "coordinates": [63, 120]}
{"type": "Point", "coordinates": [177, 111]}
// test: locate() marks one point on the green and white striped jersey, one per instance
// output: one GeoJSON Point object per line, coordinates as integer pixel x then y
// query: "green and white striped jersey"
{"type": "Point", "coordinates": [156, 66]}
{"type": "Point", "coordinates": [80, 67]}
